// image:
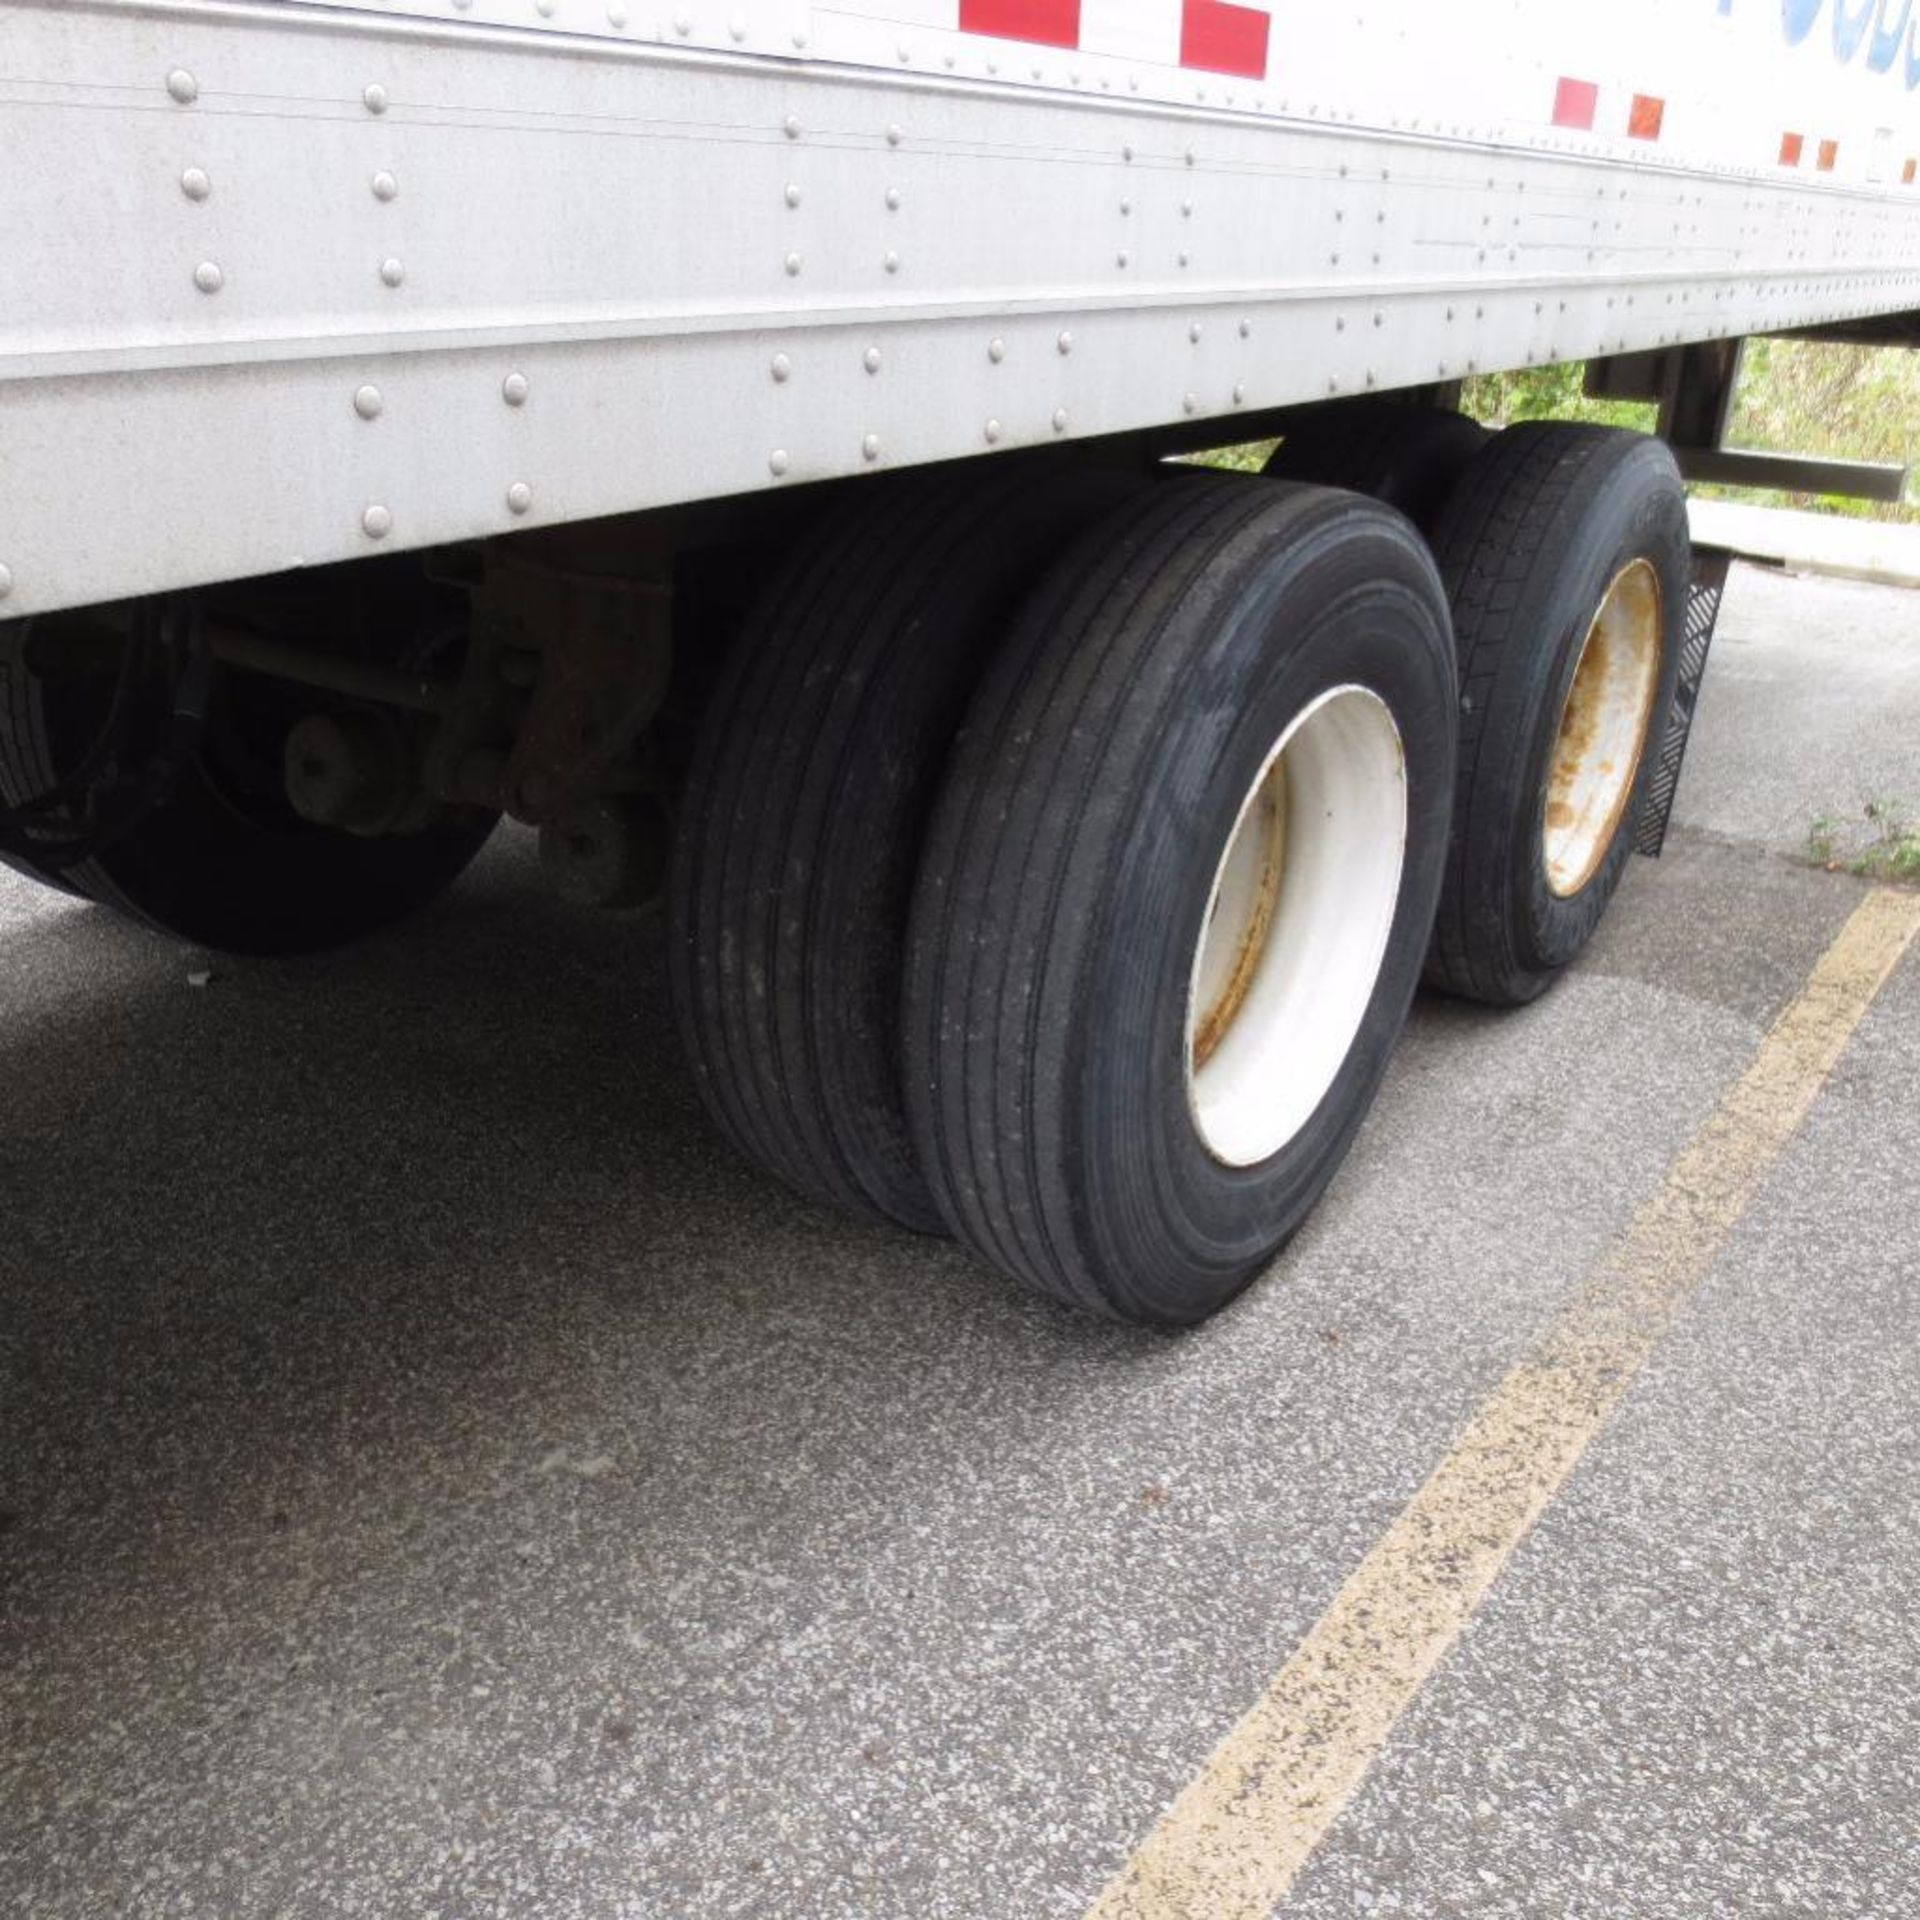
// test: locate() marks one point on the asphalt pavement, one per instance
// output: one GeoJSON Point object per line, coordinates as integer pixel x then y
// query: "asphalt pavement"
{"type": "Point", "coordinates": [437, 1478]}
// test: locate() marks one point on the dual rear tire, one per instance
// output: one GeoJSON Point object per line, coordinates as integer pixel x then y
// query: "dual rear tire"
{"type": "Point", "coordinates": [1090, 1024]}
{"type": "Point", "coordinates": [1073, 900]}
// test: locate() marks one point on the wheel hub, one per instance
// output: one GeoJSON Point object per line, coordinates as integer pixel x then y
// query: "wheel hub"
{"type": "Point", "coordinates": [1603, 730]}
{"type": "Point", "coordinates": [1296, 926]}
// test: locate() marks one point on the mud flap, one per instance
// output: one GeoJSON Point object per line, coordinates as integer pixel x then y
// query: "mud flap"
{"type": "Point", "coordinates": [1710, 566]}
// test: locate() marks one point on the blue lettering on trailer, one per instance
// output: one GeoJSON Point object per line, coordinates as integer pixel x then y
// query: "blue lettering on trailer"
{"type": "Point", "coordinates": [1885, 47]}
{"type": "Point", "coordinates": [1884, 27]}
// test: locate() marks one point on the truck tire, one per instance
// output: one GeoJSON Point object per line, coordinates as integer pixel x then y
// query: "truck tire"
{"type": "Point", "coordinates": [815, 769]}
{"type": "Point", "coordinates": [1567, 560]}
{"type": "Point", "coordinates": [223, 863]}
{"type": "Point", "coordinates": [1408, 457]}
{"type": "Point", "coordinates": [24, 769]}
{"type": "Point", "coordinates": [1177, 891]}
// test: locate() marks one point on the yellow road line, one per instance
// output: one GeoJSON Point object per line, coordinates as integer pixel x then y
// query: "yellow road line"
{"type": "Point", "coordinates": [1232, 1843]}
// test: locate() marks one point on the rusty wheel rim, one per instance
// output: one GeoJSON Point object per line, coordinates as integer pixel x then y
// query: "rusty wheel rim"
{"type": "Point", "coordinates": [1603, 731]}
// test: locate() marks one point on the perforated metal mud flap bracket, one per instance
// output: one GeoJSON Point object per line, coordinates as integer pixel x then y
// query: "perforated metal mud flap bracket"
{"type": "Point", "coordinates": [1710, 566]}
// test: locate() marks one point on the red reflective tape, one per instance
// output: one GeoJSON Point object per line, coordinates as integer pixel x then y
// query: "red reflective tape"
{"type": "Point", "coordinates": [1050, 23]}
{"type": "Point", "coordinates": [1576, 104]}
{"type": "Point", "coordinates": [1647, 118]}
{"type": "Point", "coordinates": [1829, 155]}
{"type": "Point", "coordinates": [1792, 147]}
{"type": "Point", "coordinates": [1223, 38]}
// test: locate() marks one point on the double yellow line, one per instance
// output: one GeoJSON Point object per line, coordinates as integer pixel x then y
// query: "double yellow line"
{"type": "Point", "coordinates": [1232, 1843]}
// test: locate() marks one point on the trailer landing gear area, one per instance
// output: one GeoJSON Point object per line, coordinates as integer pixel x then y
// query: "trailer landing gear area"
{"type": "Point", "coordinates": [437, 1479]}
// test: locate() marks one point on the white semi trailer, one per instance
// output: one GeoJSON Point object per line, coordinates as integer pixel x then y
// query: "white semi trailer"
{"type": "Point", "coordinates": [733, 439]}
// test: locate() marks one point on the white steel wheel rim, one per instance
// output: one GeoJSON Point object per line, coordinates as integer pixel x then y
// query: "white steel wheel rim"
{"type": "Point", "coordinates": [1603, 729]}
{"type": "Point", "coordinates": [1296, 926]}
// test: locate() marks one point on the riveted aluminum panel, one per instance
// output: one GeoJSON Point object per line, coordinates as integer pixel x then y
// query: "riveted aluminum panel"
{"type": "Point", "coordinates": [290, 283]}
